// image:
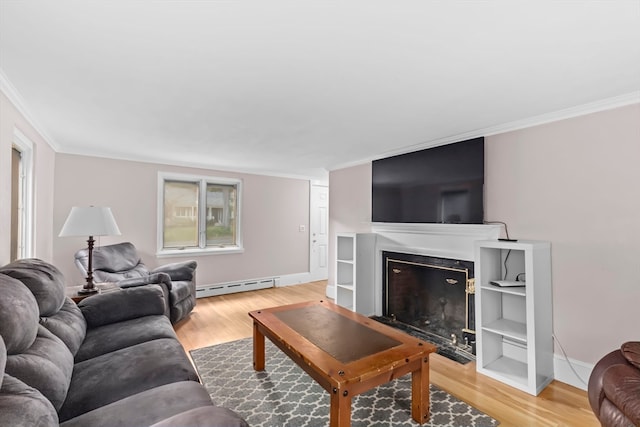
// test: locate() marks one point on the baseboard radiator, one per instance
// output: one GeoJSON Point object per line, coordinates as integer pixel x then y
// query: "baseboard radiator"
{"type": "Point", "coordinates": [233, 287]}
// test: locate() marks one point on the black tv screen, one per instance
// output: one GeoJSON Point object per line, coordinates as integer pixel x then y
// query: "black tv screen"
{"type": "Point", "coordinates": [436, 185]}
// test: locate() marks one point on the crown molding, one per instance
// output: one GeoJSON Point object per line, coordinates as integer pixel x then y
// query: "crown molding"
{"type": "Point", "coordinates": [321, 176]}
{"type": "Point", "coordinates": [567, 113]}
{"type": "Point", "coordinates": [7, 88]}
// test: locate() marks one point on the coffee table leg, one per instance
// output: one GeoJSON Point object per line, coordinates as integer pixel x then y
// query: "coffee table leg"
{"type": "Point", "coordinates": [258, 348]}
{"type": "Point", "coordinates": [340, 415]}
{"type": "Point", "coordinates": [420, 392]}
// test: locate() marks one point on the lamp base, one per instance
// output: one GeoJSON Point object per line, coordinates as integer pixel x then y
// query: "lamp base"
{"type": "Point", "coordinates": [88, 291]}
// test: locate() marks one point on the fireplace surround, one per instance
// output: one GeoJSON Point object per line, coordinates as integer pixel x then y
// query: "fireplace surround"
{"type": "Point", "coordinates": [432, 294]}
{"type": "Point", "coordinates": [449, 250]}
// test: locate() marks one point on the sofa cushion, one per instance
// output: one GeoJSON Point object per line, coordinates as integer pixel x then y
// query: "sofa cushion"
{"type": "Point", "coordinates": [115, 258]}
{"type": "Point", "coordinates": [46, 366]}
{"type": "Point", "coordinates": [113, 376]}
{"type": "Point", "coordinates": [147, 407]}
{"type": "Point", "coordinates": [202, 417]}
{"type": "Point", "coordinates": [18, 315]}
{"type": "Point", "coordinates": [24, 406]}
{"type": "Point", "coordinates": [631, 352]}
{"type": "Point", "coordinates": [68, 324]}
{"type": "Point", "coordinates": [105, 276]}
{"type": "Point", "coordinates": [124, 334]}
{"type": "Point", "coordinates": [122, 305]}
{"type": "Point", "coordinates": [44, 280]}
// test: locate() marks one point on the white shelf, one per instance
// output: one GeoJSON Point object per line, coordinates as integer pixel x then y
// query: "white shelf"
{"type": "Point", "coordinates": [506, 290]}
{"type": "Point", "coordinates": [514, 373]}
{"type": "Point", "coordinates": [513, 324]}
{"type": "Point", "coordinates": [508, 328]}
{"type": "Point", "coordinates": [345, 247]}
{"type": "Point", "coordinates": [355, 271]}
{"type": "Point", "coordinates": [512, 369]}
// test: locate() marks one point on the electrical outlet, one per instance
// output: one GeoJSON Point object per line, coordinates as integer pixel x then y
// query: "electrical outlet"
{"type": "Point", "coordinates": [302, 228]}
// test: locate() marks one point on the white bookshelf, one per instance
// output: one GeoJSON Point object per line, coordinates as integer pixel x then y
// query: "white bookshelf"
{"type": "Point", "coordinates": [355, 265]}
{"type": "Point", "coordinates": [514, 324]}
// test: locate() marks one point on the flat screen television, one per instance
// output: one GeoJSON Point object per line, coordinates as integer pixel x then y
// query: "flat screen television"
{"type": "Point", "coordinates": [436, 185]}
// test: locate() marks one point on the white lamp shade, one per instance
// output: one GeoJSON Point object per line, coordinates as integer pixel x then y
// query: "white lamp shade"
{"type": "Point", "coordinates": [90, 221]}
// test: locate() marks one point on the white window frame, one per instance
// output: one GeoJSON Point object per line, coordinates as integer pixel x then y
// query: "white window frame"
{"type": "Point", "coordinates": [26, 241]}
{"type": "Point", "coordinates": [203, 180]}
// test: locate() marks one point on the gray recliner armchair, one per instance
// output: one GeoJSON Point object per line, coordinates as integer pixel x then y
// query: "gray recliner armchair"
{"type": "Point", "coordinates": [120, 263]}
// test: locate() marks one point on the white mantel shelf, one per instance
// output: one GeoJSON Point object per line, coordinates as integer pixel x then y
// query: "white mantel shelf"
{"type": "Point", "coordinates": [473, 231]}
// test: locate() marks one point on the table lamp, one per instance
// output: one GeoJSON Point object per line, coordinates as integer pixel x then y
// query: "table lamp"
{"type": "Point", "coordinates": [90, 221]}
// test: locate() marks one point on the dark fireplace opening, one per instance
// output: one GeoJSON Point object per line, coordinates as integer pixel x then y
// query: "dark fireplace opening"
{"type": "Point", "coordinates": [433, 298]}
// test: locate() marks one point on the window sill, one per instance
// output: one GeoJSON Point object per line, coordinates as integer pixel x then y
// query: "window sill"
{"type": "Point", "coordinates": [191, 252]}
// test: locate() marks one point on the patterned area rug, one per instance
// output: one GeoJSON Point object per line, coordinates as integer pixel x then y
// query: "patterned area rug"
{"type": "Point", "coordinates": [284, 395]}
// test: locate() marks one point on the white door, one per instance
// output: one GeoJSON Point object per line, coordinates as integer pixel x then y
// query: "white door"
{"type": "Point", "coordinates": [319, 232]}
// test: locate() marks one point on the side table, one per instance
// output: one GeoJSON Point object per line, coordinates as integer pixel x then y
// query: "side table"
{"type": "Point", "coordinates": [72, 291]}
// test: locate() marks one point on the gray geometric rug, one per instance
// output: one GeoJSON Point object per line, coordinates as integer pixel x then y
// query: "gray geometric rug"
{"type": "Point", "coordinates": [283, 395]}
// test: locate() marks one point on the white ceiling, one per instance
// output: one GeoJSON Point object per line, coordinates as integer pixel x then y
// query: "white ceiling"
{"type": "Point", "coordinates": [299, 87]}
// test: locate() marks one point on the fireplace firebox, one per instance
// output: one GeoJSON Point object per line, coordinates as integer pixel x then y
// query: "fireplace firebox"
{"type": "Point", "coordinates": [432, 295]}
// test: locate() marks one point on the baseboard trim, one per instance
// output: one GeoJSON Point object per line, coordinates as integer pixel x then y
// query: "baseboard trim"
{"type": "Point", "coordinates": [294, 279]}
{"type": "Point", "coordinates": [203, 291]}
{"type": "Point", "coordinates": [563, 372]}
{"type": "Point", "coordinates": [210, 290]}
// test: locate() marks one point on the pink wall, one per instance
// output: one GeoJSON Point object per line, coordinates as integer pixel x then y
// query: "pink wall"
{"type": "Point", "coordinates": [272, 211]}
{"type": "Point", "coordinates": [44, 161]}
{"type": "Point", "coordinates": [350, 207]}
{"type": "Point", "coordinates": [574, 183]}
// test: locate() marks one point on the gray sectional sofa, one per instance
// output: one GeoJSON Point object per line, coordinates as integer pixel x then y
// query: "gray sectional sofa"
{"type": "Point", "coordinates": [112, 360]}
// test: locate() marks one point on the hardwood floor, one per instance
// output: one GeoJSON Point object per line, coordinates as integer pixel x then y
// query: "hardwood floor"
{"type": "Point", "coordinates": [224, 318]}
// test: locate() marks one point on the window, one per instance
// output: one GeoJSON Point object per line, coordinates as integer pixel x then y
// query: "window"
{"type": "Point", "coordinates": [198, 214]}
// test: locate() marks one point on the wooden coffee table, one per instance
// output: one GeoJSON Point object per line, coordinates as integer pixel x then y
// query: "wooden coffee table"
{"type": "Point", "coordinates": [345, 352]}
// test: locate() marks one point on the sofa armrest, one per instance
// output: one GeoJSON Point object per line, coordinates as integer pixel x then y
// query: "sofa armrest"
{"type": "Point", "coordinates": [595, 388]}
{"type": "Point", "coordinates": [125, 304]}
{"type": "Point", "coordinates": [179, 270]}
{"type": "Point", "coordinates": [151, 279]}
{"type": "Point", "coordinates": [206, 416]}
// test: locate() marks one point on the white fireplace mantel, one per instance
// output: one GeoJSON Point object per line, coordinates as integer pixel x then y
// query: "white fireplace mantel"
{"type": "Point", "coordinates": [455, 241]}
{"type": "Point", "coordinates": [442, 240]}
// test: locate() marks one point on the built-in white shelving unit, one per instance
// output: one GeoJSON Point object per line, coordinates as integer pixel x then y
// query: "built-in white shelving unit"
{"type": "Point", "coordinates": [514, 324]}
{"type": "Point", "coordinates": [355, 265]}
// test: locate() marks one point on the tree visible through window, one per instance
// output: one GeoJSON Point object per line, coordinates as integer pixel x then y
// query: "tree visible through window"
{"type": "Point", "coordinates": [200, 213]}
